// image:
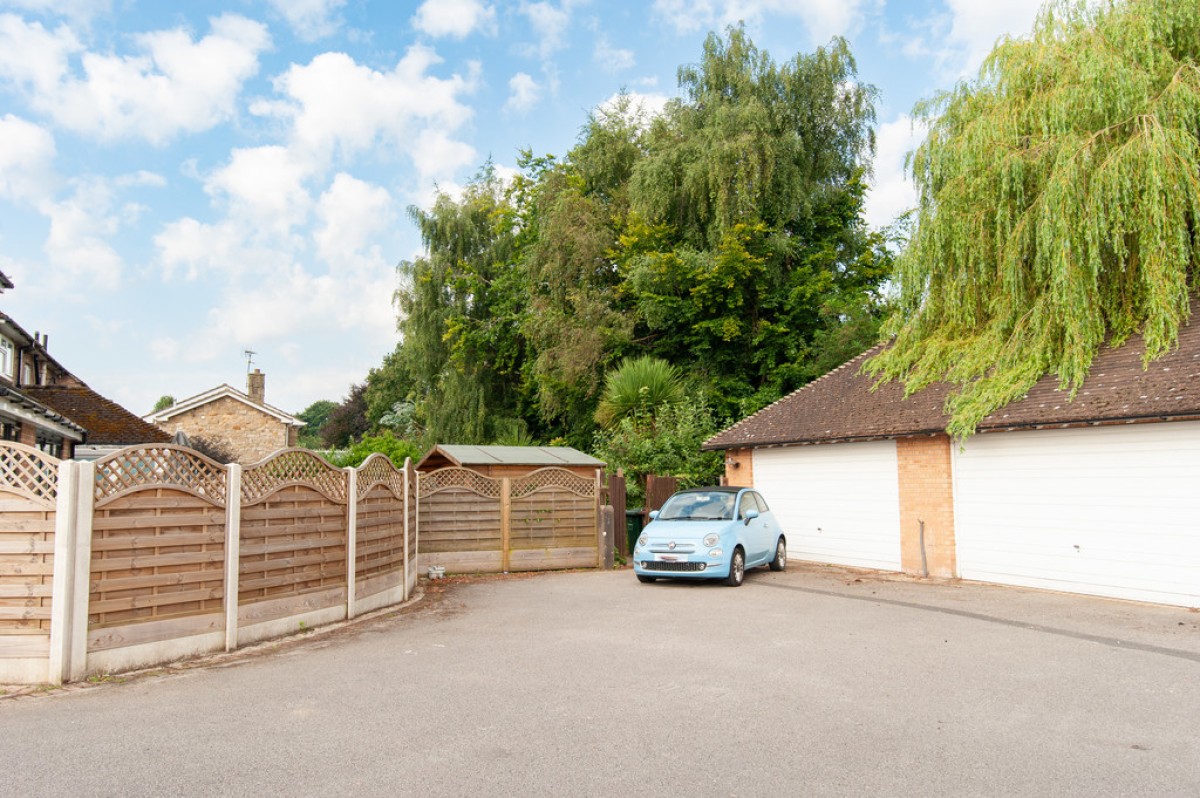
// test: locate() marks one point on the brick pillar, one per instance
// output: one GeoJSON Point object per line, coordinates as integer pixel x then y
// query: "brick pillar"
{"type": "Point", "coordinates": [926, 494]}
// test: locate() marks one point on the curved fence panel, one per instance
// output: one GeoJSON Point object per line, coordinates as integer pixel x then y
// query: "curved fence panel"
{"type": "Point", "coordinates": [165, 466]}
{"type": "Point", "coordinates": [293, 546]}
{"type": "Point", "coordinates": [293, 467]}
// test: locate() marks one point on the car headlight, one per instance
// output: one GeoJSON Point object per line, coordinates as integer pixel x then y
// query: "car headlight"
{"type": "Point", "coordinates": [717, 553]}
{"type": "Point", "coordinates": [711, 539]}
{"type": "Point", "coordinates": [641, 541]}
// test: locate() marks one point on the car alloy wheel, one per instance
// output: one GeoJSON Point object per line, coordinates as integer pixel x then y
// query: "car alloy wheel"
{"type": "Point", "coordinates": [780, 561]}
{"type": "Point", "coordinates": [737, 569]}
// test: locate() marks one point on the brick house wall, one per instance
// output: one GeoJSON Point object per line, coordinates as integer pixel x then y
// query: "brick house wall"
{"type": "Point", "coordinates": [739, 468]}
{"type": "Point", "coordinates": [250, 433]}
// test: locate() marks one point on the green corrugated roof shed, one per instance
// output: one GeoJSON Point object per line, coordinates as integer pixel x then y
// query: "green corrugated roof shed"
{"type": "Point", "coordinates": [467, 456]}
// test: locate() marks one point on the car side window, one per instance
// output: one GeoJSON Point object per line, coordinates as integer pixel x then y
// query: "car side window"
{"type": "Point", "coordinates": [762, 503]}
{"type": "Point", "coordinates": [746, 504]}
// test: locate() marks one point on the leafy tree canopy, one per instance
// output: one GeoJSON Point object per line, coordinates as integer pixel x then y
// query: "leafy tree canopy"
{"type": "Point", "coordinates": [1059, 206]}
{"type": "Point", "coordinates": [723, 236]}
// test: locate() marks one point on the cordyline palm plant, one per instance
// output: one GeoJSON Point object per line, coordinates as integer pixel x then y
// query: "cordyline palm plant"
{"type": "Point", "coordinates": [641, 384]}
{"type": "Point", "coordinates": [1059, 206]}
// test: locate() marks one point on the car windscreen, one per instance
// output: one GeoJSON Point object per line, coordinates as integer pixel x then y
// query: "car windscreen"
{"type": "Point", "coordinates": [698, 507]}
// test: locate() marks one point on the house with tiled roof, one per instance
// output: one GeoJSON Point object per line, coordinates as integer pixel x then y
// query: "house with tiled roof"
{"type": "Point", "coordinates": [1097, 494]}
{"type": "Point", "coordinates": [241, 422]}
{"type": "Point", "coordinates": [44, 405]}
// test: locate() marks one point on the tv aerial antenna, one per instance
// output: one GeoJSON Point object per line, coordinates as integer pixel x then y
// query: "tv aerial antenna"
{"type": "Point", "coordinates": [249, 353]}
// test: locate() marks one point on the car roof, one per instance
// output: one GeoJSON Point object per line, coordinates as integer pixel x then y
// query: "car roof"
{"type": "Point", "coordinates": [716, 489]}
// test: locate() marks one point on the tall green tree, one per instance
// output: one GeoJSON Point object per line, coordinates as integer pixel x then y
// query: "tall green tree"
{"type": "Point", "coordinates": [745, 240]}
{"type": "Point", "coordinates": [1059, 206]}
{"type": "Point", "coordinates": [461, 304]}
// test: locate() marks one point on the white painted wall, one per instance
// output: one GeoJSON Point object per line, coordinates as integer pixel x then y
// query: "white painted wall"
{"type": "Point", "coordinates": [1109, 511]}
{"type": "Point", "coordinates": [837, 503]}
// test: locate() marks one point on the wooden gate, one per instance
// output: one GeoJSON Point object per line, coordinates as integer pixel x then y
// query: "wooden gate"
{"type": "Point", "coordinates": [476, 524]}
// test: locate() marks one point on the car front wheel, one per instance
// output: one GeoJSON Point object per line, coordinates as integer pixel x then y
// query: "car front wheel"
{"type": "Point", "coordinates": [737, 569]}
{"type": "Point", "coordinates": [780, 561]}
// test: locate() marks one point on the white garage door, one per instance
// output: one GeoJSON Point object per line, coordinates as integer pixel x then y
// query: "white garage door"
{"type": "Point", "coordinates": [837, 503]}
{"type": "Point", "coordinates": [1110, 511]}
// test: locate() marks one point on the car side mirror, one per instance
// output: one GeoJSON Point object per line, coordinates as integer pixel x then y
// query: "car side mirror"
{"type": "Point", "coordinates": [750, 515]}
{"type": "Point", "coordinates": [653, 514]}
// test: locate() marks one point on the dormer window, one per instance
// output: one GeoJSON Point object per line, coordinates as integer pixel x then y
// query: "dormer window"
{"type": "Point", "coordinates": [27, 373]}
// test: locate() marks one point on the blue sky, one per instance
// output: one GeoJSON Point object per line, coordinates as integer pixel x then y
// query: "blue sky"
{"type": "Point", "coordinates": [180, 182]}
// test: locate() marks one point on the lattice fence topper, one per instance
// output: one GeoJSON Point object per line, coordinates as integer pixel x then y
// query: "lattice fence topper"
{"type": "Point", "coordinates": [552, 478]}
{"type": "Point", "coordinates": [293, 467]}
{"type": "Point", "coordinates": [379, 470]}
{"type": "Point", "coordinates": [163, 466]}
{"type": "Point", "coordinates": [454, 477]}
{"type": "Point", "coordinates": [29, 472]}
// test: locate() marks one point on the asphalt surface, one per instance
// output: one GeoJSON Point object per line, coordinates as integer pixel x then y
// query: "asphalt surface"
{"type": "Point", "coordinates": [810, 682]}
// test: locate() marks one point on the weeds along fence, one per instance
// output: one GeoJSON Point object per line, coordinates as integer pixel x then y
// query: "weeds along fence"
{"type": "Point", "coordinates": [156, 553]}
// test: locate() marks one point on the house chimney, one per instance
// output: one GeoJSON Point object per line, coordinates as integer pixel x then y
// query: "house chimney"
{"type": "Point", "coordinates": [256, 386]}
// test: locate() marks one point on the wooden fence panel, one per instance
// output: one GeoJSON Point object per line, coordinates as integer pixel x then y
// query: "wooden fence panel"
{"type": "Point", "coordinates": [28, 493]}
{"type": "Point", "coordinates": [553, 520]}
{"type": "Point", "coordinates": [294, 537]}
{"type": "Point", "coordinates": [157, 547]}
{"type": "Point", "coordinates": [158, 553]}
{"type": "Point", "coordinates": [543, 520]}
{"type": "Point", "coordinates": [379, 559]}
{"type": "Point", "coordinates": [616, 495]}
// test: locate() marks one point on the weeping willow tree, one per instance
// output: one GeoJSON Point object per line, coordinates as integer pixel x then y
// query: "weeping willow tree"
{"type": "Point", "coordinates": [1059, 206]}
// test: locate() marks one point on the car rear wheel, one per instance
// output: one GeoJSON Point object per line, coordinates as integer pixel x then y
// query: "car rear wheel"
{"type": "Point", "coordinates": [737, 569]}
{"type": "Point", "coordinates": [780, 561]}
{"type": "Point", "coordinates": [646, 579]}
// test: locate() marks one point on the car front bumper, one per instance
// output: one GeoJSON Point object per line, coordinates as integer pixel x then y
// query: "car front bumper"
{"type": "Point", "coordinates": [682, 566]}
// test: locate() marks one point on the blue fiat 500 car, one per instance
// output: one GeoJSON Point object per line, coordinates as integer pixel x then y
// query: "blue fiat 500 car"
{"type": "Point", "coordinates": [710, 533]}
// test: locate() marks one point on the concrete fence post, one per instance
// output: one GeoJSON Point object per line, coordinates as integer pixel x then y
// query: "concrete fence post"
{"type": "Point", "coordinates": [63, 585]}
{"type": "Point", "coordinates": [81, 581]}
{"type": "Point", "coordinates": [407, 488]}
{"type": "Point", "coordinates": [233, 551]}
{"type": "Point", "coordinates": [351, 537]}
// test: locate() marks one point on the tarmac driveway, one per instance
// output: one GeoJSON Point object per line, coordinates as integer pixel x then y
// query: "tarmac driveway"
{"type": "Point", "coordinates": [811, 682]}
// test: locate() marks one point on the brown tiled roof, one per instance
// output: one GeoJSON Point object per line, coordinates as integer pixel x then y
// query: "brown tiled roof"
{"type": "Point", "coordinates": [106, 422]}
{"type": "Point", "coordinates": [841, 406]}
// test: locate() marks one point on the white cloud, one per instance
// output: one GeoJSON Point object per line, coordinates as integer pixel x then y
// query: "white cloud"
{"type": "Point", "coordinates": [612, 59]}
{"type": "Point", "coordinates": [455, 18]}
{"type": "Point", "coordinates": [264, 186]}
{"type": "Point", "coordinates": [524, 93]}
{"type": "Point", "coordinates": [81, 259]}
{"type": "Point", "coordinates": [892, 192]}
{"type": "Point", "coordinates": [339, 107]}
{"type": "Point", "coordinates": [550, 23]}
{"type": "Point", "coordinates": [958, 37]}
{"type": "Point", "coordinates": [823, 18]}
{"type": "Point", "coordinates": [976, 27]}
{"type": "Point", "coordinates": [139, 178]}
{"type": "Point", "coordinates": [351, 213]}
{"type": "Point", "coordinates": [173, 85]}
{"type": "Point", "coordinates": [310, 19]}
{"type": "Point", "coordinates": [26, 160]}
